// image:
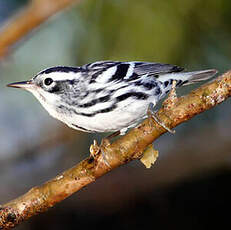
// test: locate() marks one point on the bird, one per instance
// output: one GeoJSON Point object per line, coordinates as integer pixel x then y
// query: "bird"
{"type": "Point", "coordinates": [106, 96]}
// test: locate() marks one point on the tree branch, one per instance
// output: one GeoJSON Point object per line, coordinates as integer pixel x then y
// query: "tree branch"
{"type": "Point", "coordinates": [123, 150]}
{"type": "Point", "coordinates": [37, 12]}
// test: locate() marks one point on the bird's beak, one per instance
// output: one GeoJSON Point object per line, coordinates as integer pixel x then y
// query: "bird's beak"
{"type": "Point", "coordinates": [21, 84]}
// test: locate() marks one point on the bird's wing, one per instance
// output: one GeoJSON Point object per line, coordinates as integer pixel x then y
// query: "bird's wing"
{"type": "Point", "coordinates": [109, 71]}
{"type": "Point", "coordinates": [151, 68]}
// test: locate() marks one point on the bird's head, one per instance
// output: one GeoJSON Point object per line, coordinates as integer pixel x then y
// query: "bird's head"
{"type": "Point", "coordinates": [52, 85]}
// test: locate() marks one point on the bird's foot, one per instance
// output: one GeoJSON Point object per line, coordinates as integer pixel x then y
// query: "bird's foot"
{"type": "Point", "coordinates": [168, 104]}
{"type": "Point", "coordinates": [96, 149]}
{"type": "Point", "coordinates": [153, 115]}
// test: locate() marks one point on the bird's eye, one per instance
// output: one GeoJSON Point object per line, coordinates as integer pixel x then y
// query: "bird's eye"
{"type": "Point", "coordinates": [48, 81]}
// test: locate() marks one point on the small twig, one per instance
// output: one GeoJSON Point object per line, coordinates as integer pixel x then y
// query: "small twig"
{"type": "Point", "coordinates": [123, 150]}
{"type": "Point", "coordinates": [37, 12]}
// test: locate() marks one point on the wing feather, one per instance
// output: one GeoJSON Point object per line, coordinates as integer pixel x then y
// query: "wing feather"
{"type": "Point", "coordinates": [152, 68]}
{"type": "Point", "coordinates": [98, 71]}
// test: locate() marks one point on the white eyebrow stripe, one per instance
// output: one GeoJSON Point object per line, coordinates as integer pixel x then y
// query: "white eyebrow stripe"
{"type": "Point", "coordinates": [62, 76]}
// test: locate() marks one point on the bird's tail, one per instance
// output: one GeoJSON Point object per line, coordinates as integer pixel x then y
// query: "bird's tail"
{"type": "Point", "coordinates": [197, 76]}
{"type": "Point", "coordinates": [186, 78]}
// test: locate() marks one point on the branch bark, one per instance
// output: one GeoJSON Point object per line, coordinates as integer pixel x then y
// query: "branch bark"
{"type": "Point", "coordinates": [122, 151]}
{"type": "Point", "coordinates": [37, 12]}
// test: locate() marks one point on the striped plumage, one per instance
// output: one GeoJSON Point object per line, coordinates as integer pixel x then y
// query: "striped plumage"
{"type": "Point", "coordinates": [106, 96]}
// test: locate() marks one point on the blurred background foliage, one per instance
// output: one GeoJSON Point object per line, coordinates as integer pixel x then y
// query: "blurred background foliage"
{"type": "Point", "coordinates": [188, 187]}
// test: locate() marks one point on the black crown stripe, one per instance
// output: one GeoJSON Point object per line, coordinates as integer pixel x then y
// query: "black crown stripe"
{"type": "Point", "coordinates": [64, 69]}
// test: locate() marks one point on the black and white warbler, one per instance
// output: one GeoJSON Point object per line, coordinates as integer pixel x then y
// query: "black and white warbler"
{"type": "Point", "coordinates": [106, 96]}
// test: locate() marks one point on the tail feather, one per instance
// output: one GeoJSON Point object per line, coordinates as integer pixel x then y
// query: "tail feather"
{"type": "Point", "coordinates": [197, 76]}
{"type": "Point", "coordinates": [187, 78]}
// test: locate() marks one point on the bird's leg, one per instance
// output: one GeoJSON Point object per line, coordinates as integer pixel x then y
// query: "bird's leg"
{"type": "Point", "coordinates": [153, 115]}
{"type": "Point", "coordinates": [169, 102]}
{"type": "Point", "coordinates": [95, 149]}
{"type": "Point", "coordinates": [115, 134]}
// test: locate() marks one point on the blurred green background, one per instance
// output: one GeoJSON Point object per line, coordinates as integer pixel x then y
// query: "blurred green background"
{"type": "Point", "coordinates": [189, 185]}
